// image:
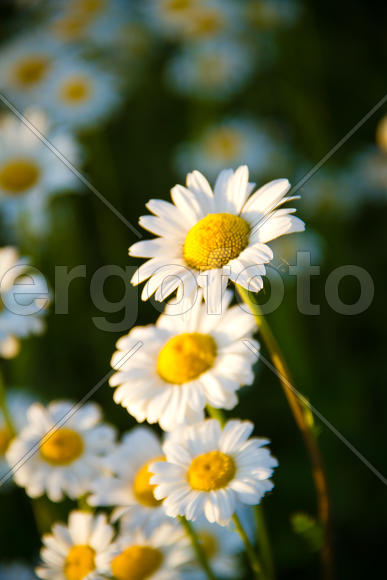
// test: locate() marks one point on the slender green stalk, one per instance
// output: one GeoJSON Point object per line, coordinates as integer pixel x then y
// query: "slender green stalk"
{"type": "Point", "coordinates": [4, 408]}
{"type": "Point", "coordinates": [198, 548]}
{"type": "Point", "coordinates": [216, 414]}
{"type": "Point", "coordinates": [252, 556]}
{"type": "Point", "coordinates": [264, 542]}
{"type": "Point", "coordinates": [301, 415]}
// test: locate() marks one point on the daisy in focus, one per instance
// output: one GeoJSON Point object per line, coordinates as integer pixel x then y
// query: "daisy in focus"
{"type": "Point", "coordinates": [64, 447]}
{"type": "Point", "coordinates": [186, 362]}
{"type": "Point", "coordinates": [24, 297]}
{"type": "Point", "coordinates": [126, 482]}
{"type": "Point", "coordinates": [79, 94]}
{"type": "Point", "coordinates": [213, 470]}
{"type": "Point", "coordinates": [228, 144]}
{"type": "Point", "coordinates": [159, 555]}
{"type": "Point", "coordinates": [30, 173]}
{"type": "Point", "coordinates": [79, 551]}
{"type": "Point", "coordinates": [209, 236]}
{"type": "Point", "coordinates": [210, 70]}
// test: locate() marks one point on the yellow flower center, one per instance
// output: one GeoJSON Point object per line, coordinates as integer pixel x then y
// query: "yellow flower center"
{"type": "Point", "coordinates": [215, 240]}
{"type": "Point", "coordinates": [207, 23]}
{"type": "Point", "coordinates": [142, 489]}
{"type": "Point", "coordinates": [31, 70]}
{"type": "Point", "coordinates": [5, 437]}
{"type": "Point", "coordinates": [185, 357]}
{"type": "Point", "coordinates": [79, 562]}
{"type": "Point", "coordinates": [18, 175]}
{"type": "Point", "coordinates": [176, 6]}
{"type": "Point", "coordinates": [211, 471]}
{"type": "Point", "coordinates": [209, 543]}
{"type": "Point", "coordinates": [90, 6]}
{"type": "Point", "coordinates": [76, 90]}
{"type": "Point", "coordinates": [62, 447]}
{"type": "Point", "coordinates": [70, 27]}
{"type": "Point", "coordinates": [212, 69]}
{"type": "Point", "coordinates": [223, 144]}
{"type": "Point", "coordinates": [136, 563]}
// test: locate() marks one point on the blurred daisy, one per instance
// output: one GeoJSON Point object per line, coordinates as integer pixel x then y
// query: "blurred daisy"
{"type": "Point", "coordinates": [23, 298]}
{"type": "Point", "coordinates": [228, 144]}
{"type": "Point", "coordinates": [26, 64]}
{"type": "Point", "coordinates": [30, 173]}
{"type": "Point", "coordinates": [288, 249]}
{"type": "Point", "coordinates": [17, 571]}
{"type": "Point", "coordinates": [79, 551]}
{"type": "Point", "coordinates": [169, 17]}
{"type": "Point", "coordinates": [221, 545]}
{"type": "Point", "coordinates": [269, 14]}
{"type": "Point", "coordinates": [126, 483]}
{"type": "Point", "coordinates": [64, 459]}
{"type": "Point", "coordinates": [213, 470]}
{"type": "Point", "coordinates": [208, 237]}
{"type": "Point", "coordinates": [79, 94]}
{"type": "Point", "coordinates": [157, 556]}
{"type": "Point", "coordinates": [187, 361]}
{"type": "Point", "coordinates": [212, 69]}
{"type": "Point", "coordinates": [18, 403]}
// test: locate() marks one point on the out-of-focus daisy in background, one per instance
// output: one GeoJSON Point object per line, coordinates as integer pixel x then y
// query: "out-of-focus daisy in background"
{"type": "Point", "coordinates": [208, 237]}
{"type": "Point", "coordinates": [159, 555]}
{"type": "Point", "coordinates": [229, 143]}
{"type": "Point", "coordinates": [210, 70]}
{"type": "Point", "coordinates": [290, 250]}
{"type": "Point", "coordinates": [213, 470]}
{"type": "Point", "coordinates": [64, 448]}
{"type": "Point", "coordinates": [31, 173]}
{"type": "Point", "coordinates": [125, 485]}
{"type": "Point", "coordinates": [80, 93]}
{"type": "Point", "coordinates": [17, 403]}
{"type": "Point", "coordinates": [270, 14]}
{"type": "Point", "coordinates": [24, 296]}
{"type": "Point", "coordinates": [186, 361]}
{"type": "Point", "coordinates": [17, 571]}
{"type": "Point", "coordinates": [79, 551]}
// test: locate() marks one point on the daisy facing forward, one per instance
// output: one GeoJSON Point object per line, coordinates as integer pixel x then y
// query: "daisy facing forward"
{"type": "Point", "coordinates": [126, 482]}
{"type": "Point", "coordinates": [62, 459]}
{"type": "Point", "coordinates": [207, 237]}
{"type": "Point", "coordinates": [79, 551]}
{"type": "Point", "coordinates": [156, 556]}
{"type": "Point", "coordinates": [212, 470]}
{"type": "Point", "coordinates": [186, 361]}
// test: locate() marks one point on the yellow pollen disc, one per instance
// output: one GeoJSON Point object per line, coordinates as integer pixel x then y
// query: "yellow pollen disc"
{"type": "Point", "coordinates": [18, 175]}
{"type": "Point", "coordinates": [209, 543]}
{"type": "Point", "coordinates": [5, 439]}
{"type": "Point", "coordinates": [215, 240]}
{"type": "Point", "coordinates": [75, 91]}
{"type": "Point", "coordinates": [381, 134]}
{"type": "Point", "coordinates": [79, 562]}
{"type": "Point", "coordinates": [223, 144]}
{"type": "Point", "coordinates": [62, 447]}
{"type": "Point", "coordinates": [173, 6]}
{"type": "Point", "coordinates": [136, 563]}
{"type": "Point", "coordinates": [185, 357]}
{"type": "Point", "coordinates": [211, 471]}
{"type": "Point", "coordinates": [207, 23]}
{"type": "Point", "coordinates": [31, 70]}
{"type": "Point", "coordinates": [142, 489]}
{"type": "Point", "coordinates": [70, 27]}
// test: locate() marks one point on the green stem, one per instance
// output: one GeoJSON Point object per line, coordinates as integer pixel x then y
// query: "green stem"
{"type": "Point", "coordinates": [4, 408]}
{"type": "Point", "coordinates": [301, 415]}
{"type": "Point", "coordinates": [252, 556]}
{"type": "Point", "coordinates": [264, 542]}
{"type": "Point", "coordinates": [217, 414]}
{"type": "Point", "coordinates": [198, 548]}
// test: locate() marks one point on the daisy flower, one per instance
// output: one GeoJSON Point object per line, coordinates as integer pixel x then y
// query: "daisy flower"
{"type": "Point", "coordinates": [64, 450]}
{"type": "Point", "coordinates": [213, 69]}
{"type": "Point", "coordinates": [221, 545]}
{"type": "Point", "coordinates": [26, 64]}
{"type": "Point", "coordinates": [213, 470]}
{"type": "Point", "coordinates": [229, 143]}
{"type": "Point", "coordinates": [23, 298]}
{"type": "Point", "coordinates": [126, 483]}
{"type": "Point", "coordinates": [30, 173]}
{"type": "Point", "coordinates": [79, 94]}
{"type": "Point", "coordinates": [17, 571]}
{"type": "Point", "coordinates": [79, 551]}
{"type": "Point", "coordinates": [156, 556]}
{"type": "Point", "coordinates": [207, 237]}
{"type": "Point", "coordinates": [18, 402]}
{"type": "Point", "coordinates": [186, 361]}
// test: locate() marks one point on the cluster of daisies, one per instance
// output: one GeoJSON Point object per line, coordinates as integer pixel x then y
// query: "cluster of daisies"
{"type": "Point", "coordinates": [181, 372]}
